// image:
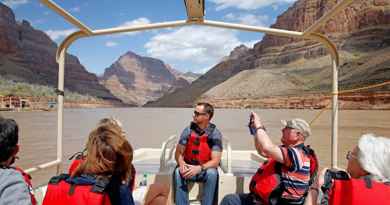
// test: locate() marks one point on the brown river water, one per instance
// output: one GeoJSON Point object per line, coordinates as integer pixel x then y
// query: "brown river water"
{"type": "Point", "coordinates": [149, 127]}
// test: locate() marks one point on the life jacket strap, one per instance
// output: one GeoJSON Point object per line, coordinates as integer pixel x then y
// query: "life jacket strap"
{"type": "Point", "coordinates": [368, 181]}
{"type": "Point", "coordinates": [58, 179]}
{"type": "Point", "coordinates": [100, 185]}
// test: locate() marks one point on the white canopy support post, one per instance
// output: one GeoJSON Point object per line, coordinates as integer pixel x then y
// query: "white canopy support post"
{"type": "Point", "coordinates": [143, 27]}
{"type": "Point", "coordinates": [67, 16]}
{"type": "Point", "coordinates": [60, 108]}
{"type": "Point", "coordinates": [335, 111]}
{"type": "Point", "coordinates": [272, 31]}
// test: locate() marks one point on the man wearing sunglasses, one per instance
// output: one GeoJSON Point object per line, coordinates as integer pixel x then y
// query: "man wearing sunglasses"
{"type": "Point", "coordinates": [290, 169]}
{"type": "Point", "coordinates": [198, 155]}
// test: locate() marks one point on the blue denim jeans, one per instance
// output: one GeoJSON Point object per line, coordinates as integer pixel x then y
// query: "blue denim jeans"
{"type": "Point", "coordinates": [209, 178]}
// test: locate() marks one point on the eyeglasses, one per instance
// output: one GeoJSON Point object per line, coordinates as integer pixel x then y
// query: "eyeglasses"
{"type": "Point", "coordinates": [350, 155]}
{"type": "Point", "coordinates": [287, 127]}
{"type": "Point", "coordinates": [196, 113]}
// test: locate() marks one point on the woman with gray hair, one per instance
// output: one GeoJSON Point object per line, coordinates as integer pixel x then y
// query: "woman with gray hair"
{"type": "Point", "coordinates": [367, 180]}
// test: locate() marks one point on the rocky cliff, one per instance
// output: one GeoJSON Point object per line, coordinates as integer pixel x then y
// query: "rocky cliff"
{"type": "Point", "coordinates": [288, 66]}
{"type": "Point", "coordinates": [28, 55]}
{"type": "Point", "coordinates": [229, 67]}
{"type": "Point", "coordinates": [137, 79]}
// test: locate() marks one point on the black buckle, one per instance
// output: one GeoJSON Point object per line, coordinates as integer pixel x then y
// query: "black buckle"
{"type": "Point", "coordinates": [78, 155]}
{"type": "Point", "coordinates": [197, 142]}
{"type": "Point", "coordinates": [195, 162]}
{"type": "Point", "coordinates": [195, 152]}
{"type": "Point", "coordinates": [100, 185]}
{"type": "Point", "coordinates": [59, 92]}
{"type": "Point", "coordinates": [368, 182]}
{"type": "Point", "coordinates": [71, 189]}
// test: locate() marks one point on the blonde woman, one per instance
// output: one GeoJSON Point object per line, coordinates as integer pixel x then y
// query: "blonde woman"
{"type": "Point", "coordinates": [102, 177]}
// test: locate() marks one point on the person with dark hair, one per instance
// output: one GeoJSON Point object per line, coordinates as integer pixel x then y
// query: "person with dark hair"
{"type": "Point", "coordinates": [15, 185]}
{"type": "Point", "coordinates": [102, 177]}
{"type": "Point", "coordinates": [198, 155]}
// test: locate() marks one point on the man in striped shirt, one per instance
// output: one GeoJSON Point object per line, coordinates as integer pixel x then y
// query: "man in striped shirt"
{"type": "Point", "coordinates": [285, 177]}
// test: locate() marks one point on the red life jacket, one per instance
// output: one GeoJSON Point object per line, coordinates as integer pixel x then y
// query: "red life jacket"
{"type": "Point", "coordinates": [74, 165]}
{"type": "Point", "coordinates": [62, 191]}
{"type": "Point", "coordinates": [266, 186]}
{"type": "Point", "coordinates": [27, 179]}
{"type": "Point", "coordinates": [339, 189]}
{"type": "Point", "coordinates": [197, 151]}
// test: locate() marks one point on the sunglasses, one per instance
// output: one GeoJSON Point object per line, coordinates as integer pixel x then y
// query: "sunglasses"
{"type": "Point", "coordinates": [289, 128]}
{"type": "Point", "coordinates": [196, 113]}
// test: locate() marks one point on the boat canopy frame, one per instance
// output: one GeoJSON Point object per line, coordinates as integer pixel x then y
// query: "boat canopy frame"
{"type": "Point", "coordinates": [195, 16]}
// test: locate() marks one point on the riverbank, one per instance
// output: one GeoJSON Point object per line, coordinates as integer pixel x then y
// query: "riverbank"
{"type": "Point", "coordinates": [17, 103]}
{"type": "Point", "coordinates": [352, 101]}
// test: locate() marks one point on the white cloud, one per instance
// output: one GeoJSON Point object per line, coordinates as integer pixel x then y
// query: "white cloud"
{"type": "Point", "coordinates": [111, 43]}
{"type": "Point", "coordinates": [249, 19]}
{"type": "Point", "coordinates": [57, 34]}
{"type": "Point", "coordinates": [200, 46]}
{"type": "Point", "coordinates": [250, 44]}
{"type": "Point", "coordinates": [15, 3]}
{"type": "Point", "coordinates": [75, 9]}
{"type": "Point", "coordinates": [247, 4]}
{"type": "Point", "coordinates": [38, 21]}
{"type": "Point", "coordinates": [135, 22]}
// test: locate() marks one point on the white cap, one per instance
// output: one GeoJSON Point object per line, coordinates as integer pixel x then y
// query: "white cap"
{"type": "Point", "coordinates": [298, 124]}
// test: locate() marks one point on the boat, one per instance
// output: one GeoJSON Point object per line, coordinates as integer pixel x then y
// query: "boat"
{"type": "Point", "coordinates": [157, 164]}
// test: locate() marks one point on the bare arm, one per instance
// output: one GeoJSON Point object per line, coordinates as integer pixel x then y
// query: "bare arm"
{"type": "Point", "coordinates": [179, 155]}
{"type": "Point", "coordinates": [263, 143]}
{"type": "Point", "coordinates": [311, 198]}
{"type": "Point", "coordinates": [259, 149]}
{"type": "Point", "coordinates": [215, 160]}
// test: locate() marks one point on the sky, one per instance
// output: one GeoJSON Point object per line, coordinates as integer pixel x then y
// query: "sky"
{"type": "Point", "coordinates": [190, 48]}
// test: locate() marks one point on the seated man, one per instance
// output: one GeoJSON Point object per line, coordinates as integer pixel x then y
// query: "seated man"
{"type": "Point", "coordinates": [15, 185]}
{"type": "Point", "coordinates": [198, 155]}
{"type": "Point", "coordinates": [290, 169]}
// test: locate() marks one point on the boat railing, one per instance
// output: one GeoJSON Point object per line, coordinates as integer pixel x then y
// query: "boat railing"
{"type": "Point", "coordinates": [167, 146]}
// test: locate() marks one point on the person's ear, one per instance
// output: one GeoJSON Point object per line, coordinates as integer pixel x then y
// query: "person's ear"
{"type": "Point", "coordinates": [301, 137]}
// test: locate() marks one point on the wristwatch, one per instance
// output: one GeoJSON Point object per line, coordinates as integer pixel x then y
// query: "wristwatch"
{"type": "Point", "coordinates": [202, 167]}
{"type": "Point", "coordinates": [314, 189]}
{"type": "Point", "coordinates": [261, 128]}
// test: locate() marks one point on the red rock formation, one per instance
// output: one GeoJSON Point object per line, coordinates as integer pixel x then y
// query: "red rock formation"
{"type": "Point", "coordinates": [137, 79]}
{"type": "Point", "coordinates": [356, 18]}
{"type": "Point", "coordinates": [28, 55]}
{"type": "Point", "coordinates": [358, 31]}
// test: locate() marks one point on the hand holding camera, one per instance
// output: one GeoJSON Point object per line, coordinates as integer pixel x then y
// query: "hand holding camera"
{"type": "Point", "coordinates": [254, 123]}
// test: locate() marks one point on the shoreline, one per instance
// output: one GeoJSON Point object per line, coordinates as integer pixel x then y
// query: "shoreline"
{"type": "Point", "coordinates": [353, 101]}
